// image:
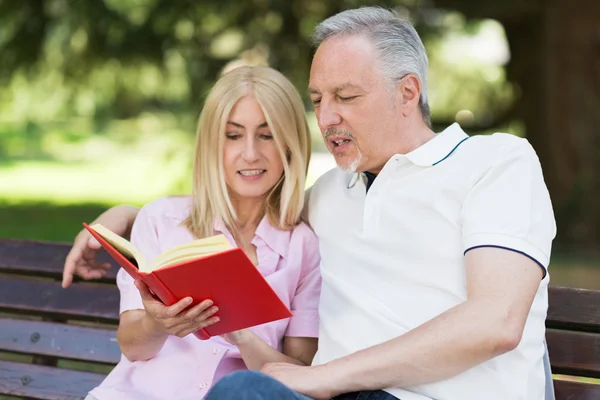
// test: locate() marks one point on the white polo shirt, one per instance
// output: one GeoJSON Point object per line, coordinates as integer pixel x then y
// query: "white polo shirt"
{"type": "Point", "coordinates": [393, 258]}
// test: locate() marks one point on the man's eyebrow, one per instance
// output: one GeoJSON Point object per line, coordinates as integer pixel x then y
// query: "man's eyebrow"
{"type": "Point", "coordinates": [344, 86]}
{"type": "Point", "coordinates": [337, 89]}
{"type": "Point", "coordinates": [263, 125]}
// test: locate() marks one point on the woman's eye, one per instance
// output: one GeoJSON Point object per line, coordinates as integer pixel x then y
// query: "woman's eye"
{"type": "Point", "coordinates": [232, 136]}
{"type": "Point", "coordinates": [266, 136]}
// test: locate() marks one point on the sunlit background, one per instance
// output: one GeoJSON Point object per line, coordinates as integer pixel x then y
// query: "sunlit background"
{"type": "Point", "coordinates": [99, 99]}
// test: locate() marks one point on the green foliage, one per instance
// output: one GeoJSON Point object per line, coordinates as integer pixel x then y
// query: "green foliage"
{"type": "Point", "coordinates": [110, 59]}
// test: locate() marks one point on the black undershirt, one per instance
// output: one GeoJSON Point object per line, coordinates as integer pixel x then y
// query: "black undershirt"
{"type": "Point", "coordinates": [370, 179]}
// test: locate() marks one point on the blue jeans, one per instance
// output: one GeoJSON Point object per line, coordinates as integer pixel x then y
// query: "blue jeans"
{"type": "Point", "coordinates": [252, 385]}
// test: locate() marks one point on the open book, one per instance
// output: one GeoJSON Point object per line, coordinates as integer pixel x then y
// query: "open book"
{"type": "Point", "coordinates": [208, 268]}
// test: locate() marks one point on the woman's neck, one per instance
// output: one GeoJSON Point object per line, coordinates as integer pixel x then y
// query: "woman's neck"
{"type": "Point", "coordinates": [249, 214]}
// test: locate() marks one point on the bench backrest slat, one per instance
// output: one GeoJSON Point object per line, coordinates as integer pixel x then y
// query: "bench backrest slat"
{"type": "Point", "coordinates": [567, 390]}
{"type": "Point", "coordinates": [573, 309]}
{"type": "Point", "coordinates": [574, 353]}
{"type": "Point", "coordinates": [41, 259]}
{"type": "Point", "coordinates": [59, 340]}
{"type": "Point", "coordinates": [41, 382]}
{"type": "Point", "coordinates": [89, 301]}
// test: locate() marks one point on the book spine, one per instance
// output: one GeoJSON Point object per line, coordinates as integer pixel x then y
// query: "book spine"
{"type": "Point", "coordinates": [164, 294]}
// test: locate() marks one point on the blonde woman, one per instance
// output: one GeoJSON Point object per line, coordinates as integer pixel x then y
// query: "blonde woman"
{"type": "Point", "coordinates": [252, 152]}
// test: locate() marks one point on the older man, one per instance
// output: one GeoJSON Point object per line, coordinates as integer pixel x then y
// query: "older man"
{"type": "Point", "coordinates": [434, 247]}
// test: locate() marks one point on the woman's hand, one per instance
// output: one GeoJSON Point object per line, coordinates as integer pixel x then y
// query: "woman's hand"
{"type": "Point", "coordinates": [175, 319]}
{"type": "Point", "coordinates": [238, 337]}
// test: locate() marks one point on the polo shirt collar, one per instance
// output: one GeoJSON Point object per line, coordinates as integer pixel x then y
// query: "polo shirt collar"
{"type": "Point", "coordinates": [439, 148]}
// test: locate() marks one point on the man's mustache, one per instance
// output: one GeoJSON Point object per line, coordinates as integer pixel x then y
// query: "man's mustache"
{"type": "Point", "coordinates": [338, 132]}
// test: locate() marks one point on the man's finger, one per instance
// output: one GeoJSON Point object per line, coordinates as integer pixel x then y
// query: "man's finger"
{"type": "Point", "coordinates": [70, 266]}
{"type": "Point", "coordinates": [96, 273]}
{"type": "Point", "coordinates": [94, 244]}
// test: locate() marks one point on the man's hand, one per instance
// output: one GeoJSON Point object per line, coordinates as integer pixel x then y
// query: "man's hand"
{"type": "Point", "coordinates": [175, 319]}
{"type": "Point", "coordinates": [309, 381]}
{"type": "Point", "coordinates": [81, 260]}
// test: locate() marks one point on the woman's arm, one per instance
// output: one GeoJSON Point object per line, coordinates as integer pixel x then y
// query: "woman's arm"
{"type": "Point", "coordinates": [256, 353]}
{"type": "Point", "coordinates": [142, 333]}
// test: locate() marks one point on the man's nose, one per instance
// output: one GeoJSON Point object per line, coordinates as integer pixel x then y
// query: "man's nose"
{"type": "Point", "coordinates": [328, 115]}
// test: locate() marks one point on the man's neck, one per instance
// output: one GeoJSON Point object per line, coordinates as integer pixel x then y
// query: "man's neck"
{"type": "Point", "coordinates": [406, 142]}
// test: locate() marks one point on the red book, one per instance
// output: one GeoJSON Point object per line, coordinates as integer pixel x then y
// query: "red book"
{"type": "Point", "coordinates": [227, 277]}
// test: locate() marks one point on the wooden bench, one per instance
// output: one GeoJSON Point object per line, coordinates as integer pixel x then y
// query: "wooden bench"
{"type": "Point", "coordinates": [45, 330]}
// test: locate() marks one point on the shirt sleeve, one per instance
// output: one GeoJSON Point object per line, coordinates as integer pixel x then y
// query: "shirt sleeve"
{"type": "Point", "coordinates": [509, 207]}
{"type": "Point", "coordinates": [144, 237]}
{"type": "Point", "coordinates": [305, 304]}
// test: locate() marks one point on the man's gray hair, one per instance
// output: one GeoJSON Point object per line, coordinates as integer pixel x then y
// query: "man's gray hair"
{"type": "Point", "coordinates": [400, 48]}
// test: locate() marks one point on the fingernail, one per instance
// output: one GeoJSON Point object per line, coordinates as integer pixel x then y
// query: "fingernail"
{"type": "Point", "coordinates": [188, 300]}
{"type": "Point", "coordinates": [209, 303]}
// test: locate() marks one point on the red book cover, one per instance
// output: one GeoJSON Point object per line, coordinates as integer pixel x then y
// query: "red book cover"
{"type": "Point", "coordinates": [228, 278]}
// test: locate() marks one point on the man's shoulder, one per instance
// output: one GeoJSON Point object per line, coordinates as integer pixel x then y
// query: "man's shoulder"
{"type": "Point", "coordinates": [498, 144]}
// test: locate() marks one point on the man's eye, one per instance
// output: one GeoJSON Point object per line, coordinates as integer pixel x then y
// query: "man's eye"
{"type": "Point", "coordinates": [350, 98]}
{"type": "Point", "coordinates": [316, 102]}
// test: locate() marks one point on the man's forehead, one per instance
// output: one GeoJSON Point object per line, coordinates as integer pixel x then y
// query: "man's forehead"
{"type": "Point", "coordinates": [342, 63]}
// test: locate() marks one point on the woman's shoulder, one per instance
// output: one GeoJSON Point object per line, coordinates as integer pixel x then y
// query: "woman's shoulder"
{"type": "Point", "coordinates": [169, 207]}
{"type": "Point", "coordinates": [304, 234]}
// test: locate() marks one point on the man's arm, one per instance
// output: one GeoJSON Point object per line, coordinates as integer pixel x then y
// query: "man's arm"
{"type": "Point", "coordinates": [501, 286]}
{"type": "Point", "coordinates": [81, 260]}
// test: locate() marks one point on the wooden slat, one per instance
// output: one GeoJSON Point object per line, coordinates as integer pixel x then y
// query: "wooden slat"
{"type": "Point", "coordinates": [574, 353]}
{"type": "Point", "coordinates": [49, 383]}
{"type": "Point", "coordinates": [85, 301]}
{"type": "Point", "coordinates": [41, 258]}
{"type": "Point", "coordinates": [574, 309]}
{"type": "Point", "coordinates": [59, 340]}
{"type": "Point", "coordinates": [566, 390]}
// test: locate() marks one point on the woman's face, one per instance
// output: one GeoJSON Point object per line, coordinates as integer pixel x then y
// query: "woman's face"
{"type": "Point", "coordinates": [250, 157]}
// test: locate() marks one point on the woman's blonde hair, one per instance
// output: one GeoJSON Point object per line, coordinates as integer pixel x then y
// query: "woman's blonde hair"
{"type": "Point", "coordinates": [284, 113]}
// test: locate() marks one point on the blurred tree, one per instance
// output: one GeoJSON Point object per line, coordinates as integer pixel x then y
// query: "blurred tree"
{"type": "Point", "coordinates": [116, 58]}
{"type": "Point", "coordinates": [555, 63]}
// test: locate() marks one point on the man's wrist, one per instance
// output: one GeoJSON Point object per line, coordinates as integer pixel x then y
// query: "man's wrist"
{"type": "Point", "coordinates": [343, 376]}
{"type": "Point", "coordinates": [336, 378]}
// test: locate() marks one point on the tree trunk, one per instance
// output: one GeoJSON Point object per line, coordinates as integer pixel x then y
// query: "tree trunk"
{"type": "Point", "coordinates": [555, 60]}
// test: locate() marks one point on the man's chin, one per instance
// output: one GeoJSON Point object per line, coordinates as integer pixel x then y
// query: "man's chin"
{"type": "Point", "coordinates": [349, 166]}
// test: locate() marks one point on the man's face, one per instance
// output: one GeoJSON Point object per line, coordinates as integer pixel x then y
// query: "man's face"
{"type": "Point", "coordinates": [355, 106]}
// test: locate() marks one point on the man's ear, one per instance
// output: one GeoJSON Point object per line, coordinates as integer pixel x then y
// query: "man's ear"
{"type": "Point", "coordinates": [409, 90]}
